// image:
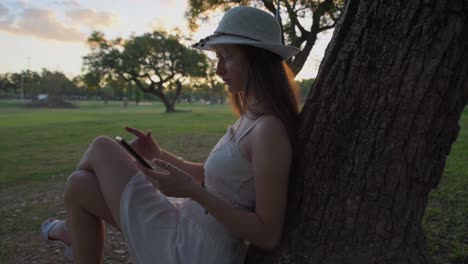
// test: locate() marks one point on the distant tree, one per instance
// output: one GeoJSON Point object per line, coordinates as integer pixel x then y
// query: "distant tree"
{"type": "Point", "coordinates": [201, 91]}
{"type": "Point", "coordinates": [106, 94]}
{"type": "Point", "coordinates": [187, 94]}
{"type": "Point", "coordinates": [82, 89]}
{"type": "Point", "coordinates": [304, 86]}
{"type": "Point", "coordinates": [211, 88]}
{"type": "Point", "coordinates": [217, 87]}
{"type": "Point", "coordinates": [96, 73]}
{"type": "Point", "coordinates": [92, 82]}
{"type": "Point", "coordinates": [218, 92]}
{"type": "Point", "coordinates": [28, 81]}
{"type": "Point", "coordinates": [6, 85]}
{"type": "Point", "coordinates": [155, 62]}
{"type": "Point", "coordinates": [138, 96]}
{"type": "Point", "coordinates": [119, 87]}
{"type": "Point", "coordinates": [56, 84]}
{"type": "Point", "coordinates": [303, 21]}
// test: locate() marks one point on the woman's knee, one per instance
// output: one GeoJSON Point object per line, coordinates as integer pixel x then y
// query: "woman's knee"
{"type": "Point", "coordinates": [99, 148]}
{"type": "Point", "coordinates": [78, 183]}
{"type": "Point", "coordinates": [103, 143]}
{"type": "Point", "coordinates": [105, 153]}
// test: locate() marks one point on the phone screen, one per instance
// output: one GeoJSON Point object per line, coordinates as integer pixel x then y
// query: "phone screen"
{"type": "Point", "coordinates": [133, 152]}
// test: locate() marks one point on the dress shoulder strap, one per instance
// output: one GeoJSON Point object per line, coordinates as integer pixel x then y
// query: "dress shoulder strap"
{"type": "Point", "coordinates": [247, 131]}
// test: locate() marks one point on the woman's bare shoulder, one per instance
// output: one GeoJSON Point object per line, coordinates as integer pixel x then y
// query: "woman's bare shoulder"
{"type": "Point", "coordinates": [270, 129]}
{"type": "Point", "coordinates": [271, 124]}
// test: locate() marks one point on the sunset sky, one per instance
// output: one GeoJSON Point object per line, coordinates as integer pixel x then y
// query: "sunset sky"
{"type": "Point", "coordinates": [52, 34]}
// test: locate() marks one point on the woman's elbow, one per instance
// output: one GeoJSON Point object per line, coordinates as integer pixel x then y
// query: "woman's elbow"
{"type": "Point", "coordinates": [270, 243]}
{"type": "Point", "coordinates": [271, 246]}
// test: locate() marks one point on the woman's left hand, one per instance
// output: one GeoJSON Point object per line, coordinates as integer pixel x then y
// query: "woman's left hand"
{"type": "Point", "coordinates": [174, 183]}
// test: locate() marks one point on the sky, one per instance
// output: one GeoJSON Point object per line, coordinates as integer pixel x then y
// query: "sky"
{"type": "Point", "coordinates": [36, 34]}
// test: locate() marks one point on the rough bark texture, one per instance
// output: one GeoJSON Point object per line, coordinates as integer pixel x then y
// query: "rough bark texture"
{"type": "Point", "coordinates": [375, 133]}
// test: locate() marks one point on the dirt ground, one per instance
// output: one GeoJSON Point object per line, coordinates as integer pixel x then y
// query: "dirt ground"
{"type": "Point", "coordinates": [24, 207]}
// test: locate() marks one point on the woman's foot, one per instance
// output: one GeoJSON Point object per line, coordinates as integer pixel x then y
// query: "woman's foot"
{"type": "Point", "coordinates": [56, 230]}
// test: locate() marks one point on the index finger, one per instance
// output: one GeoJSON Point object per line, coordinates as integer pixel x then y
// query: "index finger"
{"type": "Point", "coordinates": [135, 131]}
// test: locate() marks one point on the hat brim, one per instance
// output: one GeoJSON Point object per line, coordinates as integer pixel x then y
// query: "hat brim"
{"type": "Point", "coordinates": [284, 51]}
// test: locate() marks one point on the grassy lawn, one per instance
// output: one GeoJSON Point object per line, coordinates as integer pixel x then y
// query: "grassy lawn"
{"type": "Point", "coordinates": [446, 218]}
{"type": "Point", "coordinates": [38, 143]}
{"type": "Point", "coordinates": [44, 145]}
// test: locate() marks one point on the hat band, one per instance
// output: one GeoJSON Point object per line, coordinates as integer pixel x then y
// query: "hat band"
{"type": "Point", "coordinates": [202, 41]}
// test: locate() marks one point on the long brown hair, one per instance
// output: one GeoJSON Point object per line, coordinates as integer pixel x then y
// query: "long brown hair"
{"type": "Point", "coordinates": [273, 84]}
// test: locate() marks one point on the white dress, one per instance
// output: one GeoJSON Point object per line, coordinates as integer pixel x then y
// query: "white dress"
{"type": "Point", "coordinates": [160, 231]}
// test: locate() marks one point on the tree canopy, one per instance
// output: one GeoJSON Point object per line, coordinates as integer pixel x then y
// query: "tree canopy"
{"type": "Point", "coordinates": [155, 62]}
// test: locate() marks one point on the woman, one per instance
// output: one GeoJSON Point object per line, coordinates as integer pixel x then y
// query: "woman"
{"type": "Point", "coordinates": [237, 195]}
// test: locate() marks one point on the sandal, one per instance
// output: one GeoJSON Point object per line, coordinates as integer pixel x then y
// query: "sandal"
{"type": "Point", "coordinates": [47, 225]}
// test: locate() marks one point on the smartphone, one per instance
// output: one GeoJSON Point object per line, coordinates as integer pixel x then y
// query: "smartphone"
{"type": "Point", "coordinates": [133, 152]}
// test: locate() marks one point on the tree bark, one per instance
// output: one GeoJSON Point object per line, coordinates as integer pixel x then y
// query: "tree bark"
{"type": "Point", "coordinates": [374, 134]}
{"type": "Point", "coordinates": [165, 100]}
{"type": "Point", "coordinates": [152, 89]}
{"type": "Point", "coordinates": [177, 93]}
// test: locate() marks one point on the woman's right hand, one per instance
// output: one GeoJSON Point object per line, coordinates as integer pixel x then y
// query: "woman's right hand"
{"type": "Point", "coordinates": [144, 144]}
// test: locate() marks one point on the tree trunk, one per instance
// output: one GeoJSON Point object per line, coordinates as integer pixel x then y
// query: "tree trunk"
{"type": "Point", "coordinates": [156, 90]}
{"type": "Point", "coordinates": [375, 132]}
{"type": "Point", "coordinates": [164, 99]}
{"type": "Point", "coordinates": [177, 93]}
{"type": "Point", "coordinates": [167, 103]}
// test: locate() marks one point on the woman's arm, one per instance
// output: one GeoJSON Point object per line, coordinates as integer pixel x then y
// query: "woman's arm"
{"type": "Point", "coordinates": [269, 152]}
{"type": "Point", "coordinates": [270, 156]}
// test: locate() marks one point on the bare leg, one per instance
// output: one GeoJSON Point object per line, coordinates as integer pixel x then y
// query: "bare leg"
{"type": "Point", "coordinates": [112, 168]}
{"type": "Point", "coordinates": [82, 189]}
{"type": "Point", "coordinates": [87, 236]}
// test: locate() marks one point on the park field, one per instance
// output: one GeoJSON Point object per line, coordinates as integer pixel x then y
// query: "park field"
{"type": "Point", "coordinates": [40, 147]}
{"type": "Point", "coordinates": [38, 143]}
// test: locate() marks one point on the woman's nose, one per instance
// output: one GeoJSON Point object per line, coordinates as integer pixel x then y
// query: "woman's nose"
{"type": "Point", "coordinates": [220, 70]}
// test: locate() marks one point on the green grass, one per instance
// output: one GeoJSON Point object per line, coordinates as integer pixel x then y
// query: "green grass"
{"type": "Point", "coordinates": [446, 218]}
{"type": "Point", "coordinates": [37, 144]}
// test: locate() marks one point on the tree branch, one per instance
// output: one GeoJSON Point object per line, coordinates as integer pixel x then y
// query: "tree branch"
{"type": "Point", "coordinates": [293, 17]}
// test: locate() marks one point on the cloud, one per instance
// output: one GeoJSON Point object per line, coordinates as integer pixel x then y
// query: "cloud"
{"type": "Point", "coordinates": [70, 3]}
{"type": "Point", "coordinates": [3, 10]}
{"type": "Point", "coordinates": [19, 4]}
{"type": "Point", "coordinates": [42, 23]}
{"type": "Point", "coordinates": [6, 21]}
{"type": "Point", "coordinates": [69, 23]}
{"type": "Point", "coordinates": [5, 17]}
{"type": "Point", "coordinates": [91, 18]}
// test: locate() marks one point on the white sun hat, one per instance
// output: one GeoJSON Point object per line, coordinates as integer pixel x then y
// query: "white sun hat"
{"type": "Point", "coordinates": [244, 25]}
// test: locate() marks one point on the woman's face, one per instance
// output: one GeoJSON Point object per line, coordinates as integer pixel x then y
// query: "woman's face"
{"type": "Point", "coordinates": [232, 67]}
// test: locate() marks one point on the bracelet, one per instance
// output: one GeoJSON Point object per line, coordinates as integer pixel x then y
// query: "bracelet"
{"type": "Point", "coordinates": [203, 185]}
